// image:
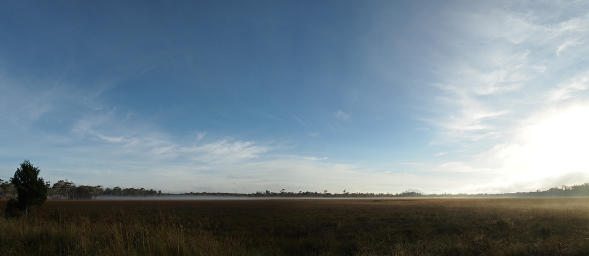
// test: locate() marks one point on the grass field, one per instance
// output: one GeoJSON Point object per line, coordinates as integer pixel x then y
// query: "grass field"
{"type": "Point", "coordinates": [302, 227]}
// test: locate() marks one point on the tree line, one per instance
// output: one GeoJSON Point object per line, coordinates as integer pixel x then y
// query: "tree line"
{"type": "Point", "coordinates": [67, 190]}
{"type": "Point", "coordinates": [26, 190]}
{"type": "Point", "coordinates": [580, 190]}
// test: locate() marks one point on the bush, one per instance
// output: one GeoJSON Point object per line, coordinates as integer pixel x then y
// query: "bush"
{"type": "Point", "coordinates": [13, 209]}
{"type": "Point", "coordinates": [30, 188]}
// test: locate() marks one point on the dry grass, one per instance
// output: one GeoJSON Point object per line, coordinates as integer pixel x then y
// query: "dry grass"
{"type": "Point", "coordinates": [302, 227]}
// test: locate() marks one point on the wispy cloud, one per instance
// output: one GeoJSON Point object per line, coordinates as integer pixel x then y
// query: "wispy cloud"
{"type": "Point", "coordinates": [200, 135]}
{"type": "Point", "coordinates": [500, 93]}
{"type": "Point", "coordinates": [128, 136]}
{"type": "Point", "coordinates": [565, 45]}
{"type": "Point", "coordinates": [224, 151]}
{"type": "Point", "coordinates": [19, 105]}
{"type": "Point", "coordinates": [568, 89]}
{"type": "Point", "coordinates": [147, 157]}
{"type": "Point", "coordinates": [439, 154]}
{"type": "Point", "coordinates": [341, 115]}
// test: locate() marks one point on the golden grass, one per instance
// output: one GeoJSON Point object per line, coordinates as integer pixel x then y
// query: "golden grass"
{"type": "Point", "coordinates": [302, 227]}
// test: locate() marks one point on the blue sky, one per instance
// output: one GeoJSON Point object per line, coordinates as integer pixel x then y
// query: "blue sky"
{"type": "Point", "coordinates": [244, 96]}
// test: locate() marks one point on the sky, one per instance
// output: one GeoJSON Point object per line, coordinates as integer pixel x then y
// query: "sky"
{"type": "Point", "coordinates": [244, 96]}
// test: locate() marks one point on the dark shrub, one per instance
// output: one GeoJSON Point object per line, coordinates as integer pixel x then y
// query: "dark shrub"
{"type": "Point", "coordinates": [13, 209]}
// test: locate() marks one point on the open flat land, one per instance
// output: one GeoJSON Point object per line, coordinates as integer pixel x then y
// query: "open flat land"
{"type": "Point", "coordinates": [554, 226]}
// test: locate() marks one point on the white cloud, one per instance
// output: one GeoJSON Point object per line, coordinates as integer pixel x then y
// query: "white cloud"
{"type": "Point", "coordinates": [439, 154]}
{"type": "Point", "coordinates": [565, 45]}
{"type": "Point", "coordinates": [341, 115]}
{"type": "Point", "coordinates": [224, 151]}
{"type": "Point", "coordinates": [200, 135]}
{"type": "Point", "coordinates": [474, 89]}
{"type": "Point", "coordinates": [128, 138]}
{"type": "Point", "coordinates": [568, 89]}
{"type": "Point", "coordinates": [574, 25]}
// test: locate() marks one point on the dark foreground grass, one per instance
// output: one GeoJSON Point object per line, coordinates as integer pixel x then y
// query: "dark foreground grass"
{"type": "Point", "coordinates": [302, 227]}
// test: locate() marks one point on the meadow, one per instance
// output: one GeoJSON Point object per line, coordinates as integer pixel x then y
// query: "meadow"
{"type": "Point", "coordinates": [524, 226]}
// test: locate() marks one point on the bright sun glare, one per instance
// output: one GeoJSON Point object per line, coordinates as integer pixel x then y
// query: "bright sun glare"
{"type": "Point", "coordinates": [553, 144]}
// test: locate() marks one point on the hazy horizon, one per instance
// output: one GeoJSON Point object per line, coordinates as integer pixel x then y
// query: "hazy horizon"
{"type": "Point", "coordinates": [244, 96]}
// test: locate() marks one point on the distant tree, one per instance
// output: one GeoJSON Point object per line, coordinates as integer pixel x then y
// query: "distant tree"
{"type": "Point", "coordinates": [63, 189]}
{"type": "Point", "coordinates": [116, 191]}
{"type": "Point", "coordinates": [97, 190]}
{"type": "Point", "coordinates": [6, 189]}
{"type": "Point", "coordinates": [82, 193]}
{"type": "Point", "coordinates": [30, 189]}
